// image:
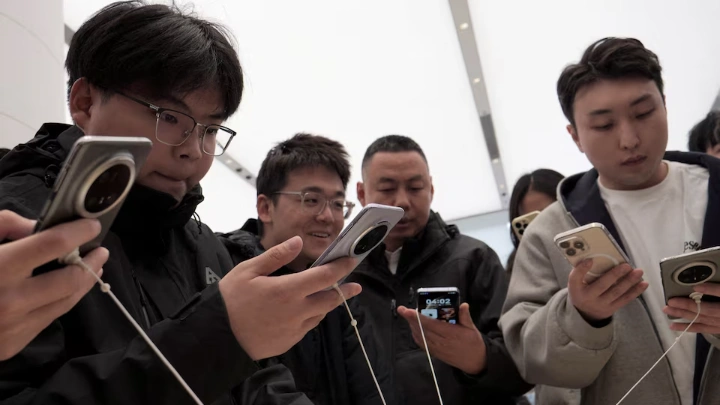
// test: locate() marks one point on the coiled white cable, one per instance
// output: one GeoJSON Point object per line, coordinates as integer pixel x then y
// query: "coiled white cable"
{"type": "Point", "coordinates": [73, 258]}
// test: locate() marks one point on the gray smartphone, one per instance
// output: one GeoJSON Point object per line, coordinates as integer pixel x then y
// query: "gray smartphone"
{"type": "Point", "coordinates": [681, 273]}
{"type": "Point", "coordinates": [366, 231]}
{"type": "Point", "coordinates": [94, 181]}
{"type": "Point", "coordinates": [442, 303]}
{"type": "Point", "coordinates": [591, 241]}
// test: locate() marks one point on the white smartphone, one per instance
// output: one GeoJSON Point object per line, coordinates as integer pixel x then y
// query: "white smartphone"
{"type": "Point", "coordinates": [520, 224]}
{"type": "Point", "coordinates": [366, 231]}
{"type": "Point", "coordinates": [442, 303]}
{"type": "Point", "coordinates": [94, 181]}
{"type": "Point", "coordinates": [591, 241]}
{"type": "Point", "coordinates": [681, 273]}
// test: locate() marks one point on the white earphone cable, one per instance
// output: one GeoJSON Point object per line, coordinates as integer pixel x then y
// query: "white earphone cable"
{"type": "Point", "coordinates": [75, 259]}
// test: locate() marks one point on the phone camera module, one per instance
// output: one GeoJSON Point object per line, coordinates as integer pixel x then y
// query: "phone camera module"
{"type": "Point", "coordinates": [370, 239]}
{"type": "Point", "coordinates": [695, 273]}
{"type": "Point", "coordinates": [579, 245]}
{"type": "Point", "coordinates": [107, 188]}
{"type": "Point", "coordinates": [565, 244]}
{"type": "Point", "coordinates": [571, 252]}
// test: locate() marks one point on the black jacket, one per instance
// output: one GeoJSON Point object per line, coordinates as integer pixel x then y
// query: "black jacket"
{"type": "Point", "coordinates": [581, 196]}
{"type": "Point", "coordinates": [441, 257]}
{"type": "Point", "coordinates": [158, 256]}
{"type": "Point", "coordinates": [328, 364]}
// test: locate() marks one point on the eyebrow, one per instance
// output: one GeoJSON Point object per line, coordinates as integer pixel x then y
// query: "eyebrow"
{"type": "Point", "coordinates": [635, 102]}
{"type": "Point", "coordinates": [389, 180]}
{"type": "Point", "coordinates": [175, 100]}
{"type": "Point", "coordinates": [316, 189]}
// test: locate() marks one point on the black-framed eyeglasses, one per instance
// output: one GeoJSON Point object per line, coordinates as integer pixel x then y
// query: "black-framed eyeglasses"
{"type": "Point", "coordinates": [173, 128]}
{"type": "Point", "coordinates": [314, 203]}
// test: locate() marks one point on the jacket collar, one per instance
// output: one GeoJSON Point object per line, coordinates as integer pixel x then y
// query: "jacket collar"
{"type": "Point", "coordinates": [581, 199]}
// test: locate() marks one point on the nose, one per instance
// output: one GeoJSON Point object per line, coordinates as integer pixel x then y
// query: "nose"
{"type": "Point", "coordinates": [191, 149]}
{"type": "Point", "coordinates": [401, 199]}
{"type": "Point", "coordinates": [326, 214]}
{"type": "Point", "coordinates": [629, 137]}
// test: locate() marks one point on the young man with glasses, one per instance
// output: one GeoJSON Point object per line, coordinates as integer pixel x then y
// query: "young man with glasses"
{"type": "Point", "coordinates": [301, 192]}
{"type": "Point", "coordinates": [124, 63]}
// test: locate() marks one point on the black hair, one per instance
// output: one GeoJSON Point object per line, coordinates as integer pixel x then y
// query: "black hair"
{"type": "Point", "coordinates": [158, 48]}
{"type": "Point", "coordinates": [3, 152]}
{"type": "Point", "coordinates": [608, 58]}
{"type": "Point", "coordinates": [705, 134]}
{"type": "Point", "coordinates": [542, 181]}
{"type": "Point", "coordinates": [392, 144]}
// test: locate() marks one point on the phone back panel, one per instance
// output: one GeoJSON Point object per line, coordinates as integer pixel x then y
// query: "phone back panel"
{"type": "Point", "coordinates": [520, 224]}
{"type": "Point", "coordinates": [371, 215]}
{"type": "Point", "coordinates": [597, 244]}
{"type": "Point", "coordinates": [669, 266]}
{"type": "Point", "coordinates": [89, 153]}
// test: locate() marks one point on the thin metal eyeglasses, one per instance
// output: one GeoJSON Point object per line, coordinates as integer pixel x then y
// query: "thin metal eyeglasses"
{"type": "Point", "coordinates": [314, 203]}
{"type": "Point", "coordinates": [173, 128]}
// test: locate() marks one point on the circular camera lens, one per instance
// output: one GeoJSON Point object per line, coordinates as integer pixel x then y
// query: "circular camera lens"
{"type": "Point", "coordinates": [695, 274]}
{"type": "Point", "coordinates": [521, 232]}
{"type": "Point", "coordinates": [518, 225]}
{"type": "Point", "coordinates": [107, 188]}
{"type": "Point", "coordinates": [578, 245]}
{"type": "Point", "coordinates": [370, 240]}
{"type": "Point", "coordinates": [570, 252]}
{"type": "Point", "coordinates": [564, 245]}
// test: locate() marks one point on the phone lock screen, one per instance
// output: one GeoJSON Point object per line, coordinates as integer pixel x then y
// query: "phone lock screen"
{"type": "Point", "coordinates": [441, 305]}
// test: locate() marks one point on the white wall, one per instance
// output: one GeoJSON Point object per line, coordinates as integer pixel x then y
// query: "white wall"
{"type": "Point", "coordinates": [31, 87]}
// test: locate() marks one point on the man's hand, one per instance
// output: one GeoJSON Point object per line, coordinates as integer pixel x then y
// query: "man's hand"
{"type": "Point", "coordinates": [460, 346]}
{"type": "Point", "coordinates": [600, 299]}
{"type": "Point", "coordinates": [269, 315]}
{"type": "Point", "coordinates": [709, 319]}
{"type": "Point", "coordinates": [29, 304]}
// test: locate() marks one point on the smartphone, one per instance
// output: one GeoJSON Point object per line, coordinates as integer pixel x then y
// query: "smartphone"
{"type": "Point", "coordinates": [520, 224]}
{"type": "Point", "coordinates": [442, 303]}
{"type": "Point", "coordinates": [591, 241]}
{"type": "Point", "coordinates": [94, 181]}
{"type": "Point", "coordinates": [366, 231]}
{"type": "Point", "coordinates": [681, 273]}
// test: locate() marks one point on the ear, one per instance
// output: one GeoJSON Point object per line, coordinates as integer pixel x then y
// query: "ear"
{"type": "Point", "coordinates": [361, 193]}
{"type": "Point", "coordinates": [80, 102]}
{"type": "Point", "coordinates": [573, 133]}
{"type": "Point", "coordinates": [265, 209]}
{"type": "Point", "coordinates": [432, 189]}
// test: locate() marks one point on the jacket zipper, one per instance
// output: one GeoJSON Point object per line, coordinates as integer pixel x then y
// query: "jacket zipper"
{"type": "Point", "coordinates": [143, 302]}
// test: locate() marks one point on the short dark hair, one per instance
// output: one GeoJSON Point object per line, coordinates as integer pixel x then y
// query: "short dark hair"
{"type": "Point", "coordinates": [392, 144]}
{"type": "Point", "coordinates": [3, 152]}
{"type": "Point", "coordinates": [299, 152]}
{"type": "Point", "coordinates": [157, 47]}
{"type": "Point", "coordinates": [705, 134]}
{"type": "Point", "coordinates": [608, 58]}
{"type": "Point", "coordinates": [543, 181]}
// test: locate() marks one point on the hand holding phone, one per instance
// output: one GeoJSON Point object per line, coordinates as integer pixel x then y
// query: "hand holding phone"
{"type": "Point", "coordinates": [442, 303]}
{"type": "Point", "coordinates": [592, 241]}
{"type": "Point", "coordinates": [680, 274]}
{"type": "Point", "coordinates": [366, 231]}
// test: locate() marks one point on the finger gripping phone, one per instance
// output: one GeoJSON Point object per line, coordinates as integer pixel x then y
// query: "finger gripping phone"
{"type": "Point", "coordinates": [681, 273]}
{"type": "Point", "coordinates": [520, 224]}
{"type": "Point", "coordinates": [591, 241]}
{"type": "Point", "coordinates": [94, 181]}
{"type": "Point", "coordinates": [366, 231]}
{"type": "Point", "coordinates": [441, 303]}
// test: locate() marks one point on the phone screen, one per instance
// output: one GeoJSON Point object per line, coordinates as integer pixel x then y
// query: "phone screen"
{"type": "Point", "coordinates": [441, 305]}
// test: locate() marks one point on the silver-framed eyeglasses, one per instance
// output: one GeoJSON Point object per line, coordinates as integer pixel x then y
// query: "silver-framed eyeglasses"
{"type": "Point", "coordinates": [314, 203]}
{"type": "Point", "coordinates": [173, 128]}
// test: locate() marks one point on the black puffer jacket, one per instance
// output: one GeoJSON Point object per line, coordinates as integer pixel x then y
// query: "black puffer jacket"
{"type": "Point", "coordinates": [159, 256]}
{"type": "Point", "coordinates": [328, 364]}
{"type": "Point", "coordinates": [441, 257]}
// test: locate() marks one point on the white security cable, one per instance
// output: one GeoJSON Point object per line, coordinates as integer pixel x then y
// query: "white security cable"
{"type": "Point", "coordinates": [354, 323]}
{"type": "Point", "coordinates": [74, 258]}
{"type": "Point", "coordinates": [427, 351]}
{"type": "Point", "coordinates": [695, 296]}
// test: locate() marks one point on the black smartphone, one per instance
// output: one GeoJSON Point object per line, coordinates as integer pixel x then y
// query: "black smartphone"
{"type": "Point", "coordinates": [94, 181]}
{"type": "Point", "coordinates": [442, 303]}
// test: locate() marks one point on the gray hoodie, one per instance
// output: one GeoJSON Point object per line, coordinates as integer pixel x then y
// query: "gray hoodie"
{"type": "Point", "coordinates": [553, 345]}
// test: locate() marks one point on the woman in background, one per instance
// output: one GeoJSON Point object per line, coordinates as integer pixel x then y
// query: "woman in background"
{"type": "Point", "coordinates": [532, 192]}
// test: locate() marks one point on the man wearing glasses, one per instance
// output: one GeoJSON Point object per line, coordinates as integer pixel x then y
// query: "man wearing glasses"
{"type": "Point", "coordinates": [152, 71]}
{"type": "Point", "coordinates": [301, 192]}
